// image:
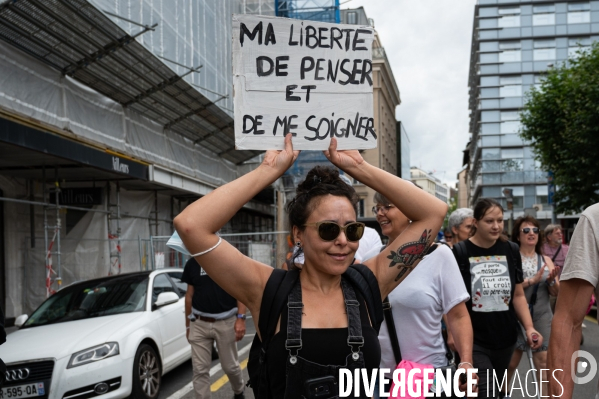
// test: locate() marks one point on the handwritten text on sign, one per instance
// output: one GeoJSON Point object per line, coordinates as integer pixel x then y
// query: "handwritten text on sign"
{"type": "Point", "coordinates": [311, 79]}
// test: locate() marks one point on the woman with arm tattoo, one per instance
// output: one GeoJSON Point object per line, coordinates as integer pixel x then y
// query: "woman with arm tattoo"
{"type": "Point", "coordinates": [431, 291]}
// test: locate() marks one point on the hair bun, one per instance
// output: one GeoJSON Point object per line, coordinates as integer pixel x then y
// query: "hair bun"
{"type": "Point", "coordinates": [317, 176]}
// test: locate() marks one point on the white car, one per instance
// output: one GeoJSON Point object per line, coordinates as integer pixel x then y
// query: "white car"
{"type": "Point", "coordinates": [111, 337]}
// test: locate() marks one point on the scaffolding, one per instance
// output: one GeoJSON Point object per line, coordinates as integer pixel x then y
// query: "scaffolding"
{"type": "Point", "coordinates": [114, 229]}
{"type": "Point", "coordinates": [312, 10]}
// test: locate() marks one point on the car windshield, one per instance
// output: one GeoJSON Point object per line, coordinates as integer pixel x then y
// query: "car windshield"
{"type": "Point", "coordinates": [122, 294]}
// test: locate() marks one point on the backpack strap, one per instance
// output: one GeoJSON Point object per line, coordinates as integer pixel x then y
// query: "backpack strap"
{"type": "Point", "coordinates": [459, 250]}
{"type": "Point", "coordinates": [277, 289]}
{"type": "Point", "coordinates": [367, 285]}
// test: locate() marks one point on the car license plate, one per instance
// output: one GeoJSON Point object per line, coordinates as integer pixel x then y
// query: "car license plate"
{"type": "Point", "coordinates": [23, 391]}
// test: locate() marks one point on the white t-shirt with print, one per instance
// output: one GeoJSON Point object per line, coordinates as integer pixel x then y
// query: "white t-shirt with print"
{"type": "Point", "coordinates": [418, 304]}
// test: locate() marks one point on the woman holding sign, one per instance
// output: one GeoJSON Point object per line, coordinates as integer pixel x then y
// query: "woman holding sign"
{"type": "Point", "coordinates": [326, 325]}
{"type": "Point", "coordinates": [492, 271]}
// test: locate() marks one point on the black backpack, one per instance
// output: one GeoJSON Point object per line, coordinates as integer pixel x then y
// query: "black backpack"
{"type": "Point", "coordinates": [275, 295]}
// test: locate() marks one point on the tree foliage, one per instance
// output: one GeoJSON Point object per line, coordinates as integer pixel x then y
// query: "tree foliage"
{"type": "Point", "coordinates": [561, 119]}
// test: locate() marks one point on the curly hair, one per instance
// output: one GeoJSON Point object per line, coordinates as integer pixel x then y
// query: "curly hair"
{"type": "Point", "coordinates": [517, 227]}
{"type": "Point", "coordinates": [320, 181]}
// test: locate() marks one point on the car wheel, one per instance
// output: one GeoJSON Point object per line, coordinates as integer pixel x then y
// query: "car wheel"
{"type": "Point", "coordinates": [147, 373]}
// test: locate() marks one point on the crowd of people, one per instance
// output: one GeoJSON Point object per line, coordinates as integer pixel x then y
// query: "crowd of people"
{"type": "Point", "coordinates": [492, 296]}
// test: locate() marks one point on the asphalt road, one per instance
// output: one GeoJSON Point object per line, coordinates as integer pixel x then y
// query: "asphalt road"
{"type": "Point", "coordinates": [175, 382]}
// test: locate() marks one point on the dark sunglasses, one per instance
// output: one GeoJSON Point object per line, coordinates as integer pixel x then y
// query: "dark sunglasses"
{"type": "Point", "coordinates": [526, 230]}
{"type": "Point", "coordinates": [329, 231]}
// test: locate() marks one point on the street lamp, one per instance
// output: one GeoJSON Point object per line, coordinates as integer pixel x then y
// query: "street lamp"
{"type": "Point", "coordinates": [508, 193]}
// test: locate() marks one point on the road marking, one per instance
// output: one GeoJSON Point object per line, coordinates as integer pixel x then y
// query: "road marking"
{"type": "Point", "coordinates": [189, 387]}
{"type": "Point", "coordinates": [218, 384]}
{"type": "Point", "coordinates": [591, 319]}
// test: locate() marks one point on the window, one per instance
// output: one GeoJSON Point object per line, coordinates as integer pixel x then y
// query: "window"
{"type": "Point", "coordinates": [352, 17]}
{"type": "Point", "coordinates": [509, 21]}
{"type": "Point", "coordinates": [510, 52]}
{"type": "Point", "coordinates": [508, 153]}
{"type": "Point", "coordinates": [543, 19]}
{"type": "Point", "coordinates": [542, 194]}
{"type": "Point", "coordinates": [510, 91]}
{"type": "Point", "coordinates": [544, 54]}
{"type": "Point", "coordinates": [512, 165]}
{"type": "Point", "coordinates": [176, 278]}
{"type": "Point", "coordinates": [511, 86]}
{"type": "Point", "coordinates": [161, 284]}
{"type": "Point", "coordinates": [516, 191]}
{"type": "Point", "coordinates": [509, 11]}
{"type": "Point", "coordinates": [544, 50]}
{"type": "Point", "coordinates": [510, 116]}
{"type": "Point", "coordinates": [543, 15]}
{"type": "Point", "coordinates": [510, 45]}
{"type": "Point", "coordinates": [510, 56]}
{"type": "Point", "coordinates": [549, 8]}
{"type": "Point", "coordinates": [579, 13]}
{"type": "Point", "coordinates": [538, 79]}
{"type": "Point", "coordinates": [577, 46]}
{"type": "Point", "coordinates": [508, 127]}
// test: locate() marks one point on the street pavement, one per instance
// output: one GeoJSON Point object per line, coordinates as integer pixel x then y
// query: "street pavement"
{"type": "Point", "coordinates": [177, 383]}
{"type": "Point", "coordinates": [174, 383]}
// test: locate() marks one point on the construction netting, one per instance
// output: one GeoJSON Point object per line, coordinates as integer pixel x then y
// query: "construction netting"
{"type": "Point", "coordinates": [85, 250]}
{"type": "Point", "coordinates": [38, 92]}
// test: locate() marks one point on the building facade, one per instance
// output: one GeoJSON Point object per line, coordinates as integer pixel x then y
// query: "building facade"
{"type": "Point", "coordinates": [403, 151]}
{"type": "Point", "coordinates": [114, 116]}
{"type": "Point", "coordinates": [386, 99]}
{"type": "Point", "coordinates": [513, 45]}
{"type": "Point", "coordinates": [430, 184]}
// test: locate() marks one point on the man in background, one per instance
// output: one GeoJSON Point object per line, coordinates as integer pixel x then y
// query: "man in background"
{"type": "Point", "coordinates": [554, 246]}
{"type": "Point", "coordinates": [212, 315]}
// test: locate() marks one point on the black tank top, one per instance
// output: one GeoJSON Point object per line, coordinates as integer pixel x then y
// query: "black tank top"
{"type": "Point", "coordinates": [326, 346]}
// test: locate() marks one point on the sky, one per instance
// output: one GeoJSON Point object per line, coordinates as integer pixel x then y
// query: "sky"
{"type": "Point", "coordinates": [428, 45]}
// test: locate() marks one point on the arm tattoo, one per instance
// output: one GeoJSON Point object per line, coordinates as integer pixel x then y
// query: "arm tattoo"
{"type": "Point", "coordinates": [409, 253]}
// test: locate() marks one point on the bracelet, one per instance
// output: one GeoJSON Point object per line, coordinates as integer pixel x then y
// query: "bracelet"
{"type": "Point", "coordinates": [460, 364]}
{"type": "Point", "coordinates": [209, 249]}
{"type": "Point", "coordinates": [241, 316]}
{"type": "Point", "coordinates": [188, 328]}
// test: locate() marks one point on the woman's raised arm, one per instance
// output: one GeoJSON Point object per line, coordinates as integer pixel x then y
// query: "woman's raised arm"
{"type": "Point", "coordinates": [197, 225]}
{"type": "Point", "coordinates": [425, 211]}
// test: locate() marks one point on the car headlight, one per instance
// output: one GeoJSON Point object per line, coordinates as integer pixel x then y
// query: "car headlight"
{"type": "Point", "coordinates": [93, 354]}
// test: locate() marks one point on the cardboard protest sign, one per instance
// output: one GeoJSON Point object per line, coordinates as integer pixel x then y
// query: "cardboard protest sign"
{"type": "Point", "coordinates": [311, 79]}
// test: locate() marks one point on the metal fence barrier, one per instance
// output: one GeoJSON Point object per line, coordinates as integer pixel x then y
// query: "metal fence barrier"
{"type": "Point", "coordinates": [260, 246]}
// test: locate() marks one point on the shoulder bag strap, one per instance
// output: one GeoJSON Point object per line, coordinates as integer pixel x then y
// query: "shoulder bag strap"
{"type": "Point", "coordinates": [556, 253]}
{"type": "Point", "coordinates": [392, 330]}
{"type": "Point", "coordinates": [533, 298]}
